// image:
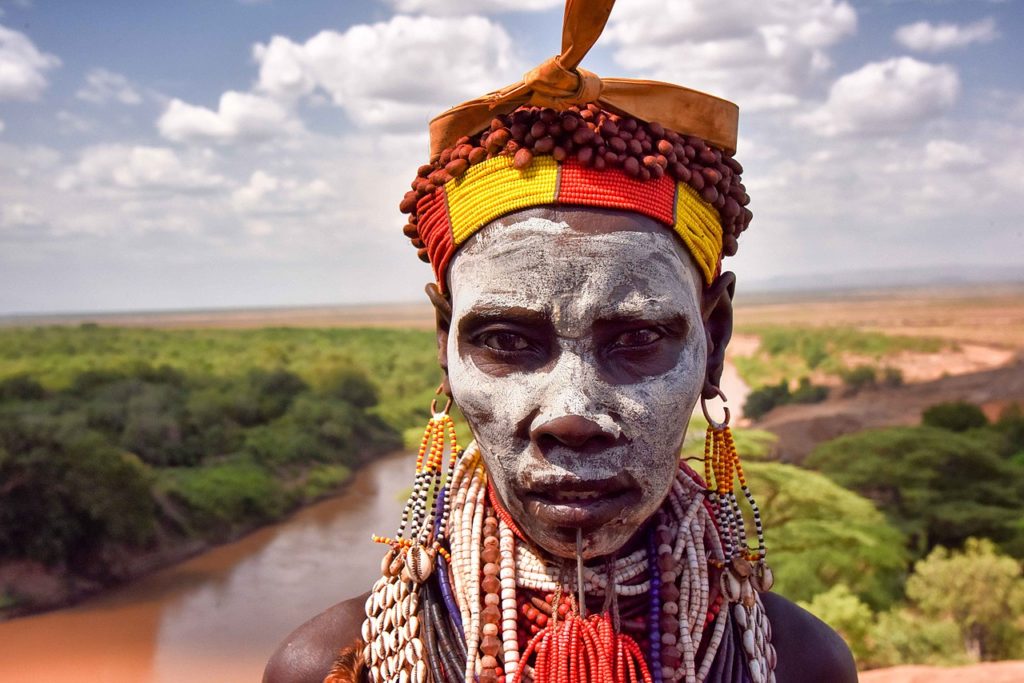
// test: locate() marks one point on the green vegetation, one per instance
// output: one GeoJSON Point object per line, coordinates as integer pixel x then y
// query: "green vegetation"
{"type": "Point", "coordinates": [786, 352]}
{"type": "Point", "coordinates": [956, 416]}
{"type": "Point", "coordinates": [114, 439]}
{"type": "Point", "coordinates": [762, 400]}
{"type": "Point", "coordinates": [939, 487]}
{"type": "Point", "coordinates": [820, 534]}
{"type": "Point", "coordinates": [962, 606]}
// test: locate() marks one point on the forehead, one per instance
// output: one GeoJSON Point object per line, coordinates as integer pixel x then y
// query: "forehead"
{"type": "Point", "coordinates": [587, 261]}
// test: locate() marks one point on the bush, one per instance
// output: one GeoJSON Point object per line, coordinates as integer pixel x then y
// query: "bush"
{"type": "Point", "coordinates": [859, 378]}
{"type": "Point", "coordinates": [22, 387]}
{"type": "Point", "coordinates": [67, 492]}
{"type": "Point", "coordinates": [978, 590]}
{"type": "Point", "coordinates": [809, 393]}
{"type": "Point", "coordinates": [222, 497]}
{"type": "Point", "coordinates": [956, 416]}
{"type": "Point", "coordinates": [892, 377]}
{"type": "Point", "coordinates": [939, 487]}
{"type": "Point", "coordinates": [847, 614]}
{"type": "Point", "coordinates": [349, 384]}
{"type": "Point", "coordinates": [819, 535]}
{"type": "Point", "coordinates": [901, 636]}
{"type": "Point", "coordinates": [761, 401]}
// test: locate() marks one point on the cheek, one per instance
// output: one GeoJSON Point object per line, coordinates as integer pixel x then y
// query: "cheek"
{"type": "Point", "coordinates": [656, 412]}
{"type": "Point", "coordinates": [494, 406]}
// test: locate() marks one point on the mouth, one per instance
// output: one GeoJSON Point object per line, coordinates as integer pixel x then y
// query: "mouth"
{"type": "Point", "coordinates": [575, 503]}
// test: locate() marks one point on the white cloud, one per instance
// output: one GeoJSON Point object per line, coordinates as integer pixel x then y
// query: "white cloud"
{"type": "Point", "coordinates": [69, 123]}
{"type": "Point", "coordinates": [239, 116]}
{"type": "Point", "coordinates": [942, 154]}
{"type": "Point", "coordinates": [124, 167]}
{"type": "Point", "coordinates": [394, 73]}
{"type": "Point", "coordinates": [456, 7]}
{"type": "Point", "coordinates": [18, 215]}
{"type": "Point", "coordinates": [885, 97]}
{"type": "Point", "coordinates": [924, 36]}
{"type": "Point", "coordinates": [102, 86]}
{"type": "Point", "coordinates": [2, 125]}
{"type": "Point", "coordinates": [22, 66]}
{"type": "Point", "coordinates": [761, 55]}
{"type": "Point", "coordinates": [268, 194]}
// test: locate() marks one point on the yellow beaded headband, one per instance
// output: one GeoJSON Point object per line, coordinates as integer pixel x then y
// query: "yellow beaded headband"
{"type": "Point", "coordinates": [563, 136]}
{"type": "Point", "coordinates": [488, 190]}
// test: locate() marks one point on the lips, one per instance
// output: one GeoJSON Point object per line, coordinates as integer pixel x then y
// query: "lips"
{"type": "Point", "coordinates": [571, 502]}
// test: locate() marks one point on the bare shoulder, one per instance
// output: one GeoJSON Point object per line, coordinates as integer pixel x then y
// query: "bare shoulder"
{"type": "Point", "coordinates": [306, 655]}
{"type": "Point", "coordinates": [808, 649]}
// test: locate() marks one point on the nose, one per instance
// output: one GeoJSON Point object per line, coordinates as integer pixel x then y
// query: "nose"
{"type": "Point", "coordinates": [573, 431]}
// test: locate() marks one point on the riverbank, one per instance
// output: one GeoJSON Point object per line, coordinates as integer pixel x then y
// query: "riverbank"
{"type": "Point", "coordinates": [37, 588]}
{"type": "Point", "coordinates": [130, 449]}
{"type": "Point", "coordinates": [217, 617]}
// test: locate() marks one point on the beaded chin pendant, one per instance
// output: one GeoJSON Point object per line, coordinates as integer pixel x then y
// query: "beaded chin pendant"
{"type": "Point", "coordinates": [394, 649]}
{"type": "Point", "coordinates": [745, 573]}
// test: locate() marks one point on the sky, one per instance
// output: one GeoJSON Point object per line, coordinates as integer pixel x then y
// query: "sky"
{"type": "Point", "coordinates": [233, 153]}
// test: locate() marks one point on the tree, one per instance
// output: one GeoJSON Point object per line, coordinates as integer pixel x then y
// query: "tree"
{"type": "Point", "coordinates": [956, 416]}
{"type": "Point", "coordinates": [820, 535]}
{"type": "Point", "coordinates": [939, 487]}
{"type": "Point", "coordinates": [847, 614]}
{"type": "Point", "coordinates": [67, 493]}
{"type": "Point", "coordinates": [981, 591]}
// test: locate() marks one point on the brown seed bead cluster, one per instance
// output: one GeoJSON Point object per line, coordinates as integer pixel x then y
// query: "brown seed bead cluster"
{"type": "Point", "coordinates": [490, 644]}
{"type": "Point", "coordinates": [597, 139]}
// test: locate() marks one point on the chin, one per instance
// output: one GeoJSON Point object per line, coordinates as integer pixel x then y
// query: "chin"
{"type": "Point", "coordinates": [600, 541]}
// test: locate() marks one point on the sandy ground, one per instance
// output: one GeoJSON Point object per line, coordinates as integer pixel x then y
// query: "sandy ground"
{"type": "Point", "coordinates": [990, 672]}
{"type": "Point", "coordinates": [990, 316]}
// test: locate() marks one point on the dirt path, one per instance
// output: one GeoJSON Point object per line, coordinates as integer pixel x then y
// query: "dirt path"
{"type": "Point", "coordinates": [989, 672]}
{"type": "Point", "coordinates": [801, 427]}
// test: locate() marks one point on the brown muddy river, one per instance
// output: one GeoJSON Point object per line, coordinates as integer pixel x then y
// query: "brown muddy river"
{"type": "Point", "coordinates": [216, 618]}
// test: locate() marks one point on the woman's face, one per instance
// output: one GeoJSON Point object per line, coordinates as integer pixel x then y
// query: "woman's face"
{"type": "Point", "coordinates": [576, 352]}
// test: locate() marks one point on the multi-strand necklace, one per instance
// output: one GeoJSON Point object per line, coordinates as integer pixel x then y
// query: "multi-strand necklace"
{"type": "Point", "coordinates": [465, 597]}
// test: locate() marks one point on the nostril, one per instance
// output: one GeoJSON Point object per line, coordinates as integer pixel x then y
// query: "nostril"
{"type": "Point", "coordinates": [572, 431]}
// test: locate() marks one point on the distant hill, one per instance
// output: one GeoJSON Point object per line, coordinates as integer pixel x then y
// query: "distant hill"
{"type": "Point", "coordinates": [888, 278]}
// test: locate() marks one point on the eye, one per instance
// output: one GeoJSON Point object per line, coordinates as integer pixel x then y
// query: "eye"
{"type": "Point", "coordinates": [636, 339]}
{"type": "Point", "coordinates": [504, 342]}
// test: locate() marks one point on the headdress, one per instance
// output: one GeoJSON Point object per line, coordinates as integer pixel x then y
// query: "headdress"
{"type": "Point", "coordinates": [564, 136]}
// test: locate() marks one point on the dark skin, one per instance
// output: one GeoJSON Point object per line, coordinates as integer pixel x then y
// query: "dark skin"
{"type": "Point", "coordinates": [808, 650]}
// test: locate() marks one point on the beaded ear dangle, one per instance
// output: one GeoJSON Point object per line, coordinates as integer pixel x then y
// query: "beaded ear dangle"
{"type": "Point", "coordinates": [391, 631]}
{"type": "Point", "coordinates": [746, 573]}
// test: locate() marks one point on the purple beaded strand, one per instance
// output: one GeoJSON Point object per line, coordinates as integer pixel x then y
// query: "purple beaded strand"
{"type": "Point", "coordinates": [654, 615]}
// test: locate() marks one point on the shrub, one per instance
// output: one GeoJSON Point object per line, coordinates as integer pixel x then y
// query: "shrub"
{"type": "Point", "coordinates": [939, 487]}
{"type": "Point", "coordinates": [956, 416]}
{"type": "Point", "coordinates": [349, 384]}
{"type": "Point", "coordinates": [67, 492]}
{"type": "Point", "coordinates": [819, 534]}
{"type": "Point", "coordinates": [761, 401]}
{"type": "Point", "coordinates": [22, 387]}
{"type": "Point", "coordinates": [809, 393]}
{"type": "Point", "coordinates": [221, 497]}
{"type": "Point", "coordinates": [859, 378]}
{"type": "Point", "coordinates": [892, 377]}
{"type": "Point", "coordinates": [847, 614]}
{"type": "Point", "coordinates": [979, 590]}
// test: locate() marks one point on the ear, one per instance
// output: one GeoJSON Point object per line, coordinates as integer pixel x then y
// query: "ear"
{"type": "Point", "coordinates": [443, 320]}
{"type": "Point", "coordinates": [716, 310]}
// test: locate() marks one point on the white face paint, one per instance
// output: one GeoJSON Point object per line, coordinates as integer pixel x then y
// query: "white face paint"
{"type": "Point", "coordinates": [577, 352]}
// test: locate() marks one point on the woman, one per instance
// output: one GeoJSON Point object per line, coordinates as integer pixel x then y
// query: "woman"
{"type": "Point", "coordinates": [582, 312]}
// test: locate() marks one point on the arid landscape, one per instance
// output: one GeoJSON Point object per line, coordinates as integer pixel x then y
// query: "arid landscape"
{"type": "Point", "coordinates": [975, 354]}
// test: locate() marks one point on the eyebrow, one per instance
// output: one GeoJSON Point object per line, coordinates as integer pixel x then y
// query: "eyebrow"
{"type": "Point", "coordinates": [483, 313]}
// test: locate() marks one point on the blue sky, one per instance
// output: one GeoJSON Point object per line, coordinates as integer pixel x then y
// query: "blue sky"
{"type": "Point", "coordinates": [210, 153]}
